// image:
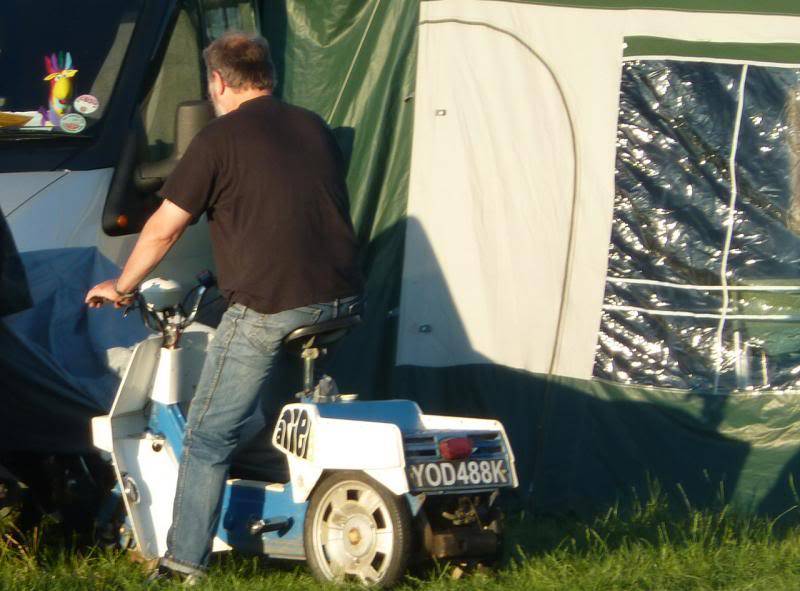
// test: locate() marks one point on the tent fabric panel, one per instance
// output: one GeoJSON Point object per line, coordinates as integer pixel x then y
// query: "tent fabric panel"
{"type": "Point", "coordinates": [786, 53]}
{"type": "Point", "coordinates": [355, 64]}
{"type": "Point", "coordinates": [88, 349]}
{"type": "Point", "coordinates": [464, 263]}
{"type": "Point", "coordinates": [584, 445]}
{"type": "Point", "coordinates": [48, 412]}
{"type": "Point", "coordinates": [14, 294]}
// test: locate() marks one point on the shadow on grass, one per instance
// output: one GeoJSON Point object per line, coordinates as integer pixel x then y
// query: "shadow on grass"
{"type": "Point", "coordinates": [654, 521]}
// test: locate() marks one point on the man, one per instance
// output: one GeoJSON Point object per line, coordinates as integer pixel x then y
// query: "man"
{"type": "Point", "coordinates": [270, 178]}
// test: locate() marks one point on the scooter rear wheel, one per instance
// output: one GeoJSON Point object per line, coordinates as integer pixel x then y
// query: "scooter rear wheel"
{"type": "Point", "coordinates": [356, 528]}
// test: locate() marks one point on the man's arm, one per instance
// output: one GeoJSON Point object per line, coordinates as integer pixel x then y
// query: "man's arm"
{"type": "Point", "coordinates": [160, 232]}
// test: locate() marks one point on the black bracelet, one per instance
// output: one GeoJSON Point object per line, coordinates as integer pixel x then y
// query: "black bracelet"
{"type": "Point", "coordinates": [127, 295]}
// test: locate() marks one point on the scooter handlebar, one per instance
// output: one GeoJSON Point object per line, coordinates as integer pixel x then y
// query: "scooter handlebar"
{"type": "Point", "coordinates": [157, 320]}
{"type": "Point", "coordinates": [201, 291]}
{"type": "Point", "coordinates": [149, 317]}
{"type": "Point", "coordinates": [206, 279]}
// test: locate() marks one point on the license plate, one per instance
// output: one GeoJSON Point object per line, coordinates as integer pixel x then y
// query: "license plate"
{"type": "Point", "coordinates": [459, 474]}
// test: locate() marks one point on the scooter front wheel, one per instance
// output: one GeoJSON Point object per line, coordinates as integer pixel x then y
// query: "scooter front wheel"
{"type": "Point", "coordinates": [356, 528]}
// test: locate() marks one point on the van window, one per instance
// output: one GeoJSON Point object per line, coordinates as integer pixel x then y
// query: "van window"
{"type": "Point", "coordinates": [224, 15]}
{"type": "Point", "coordinates": [180, 79]}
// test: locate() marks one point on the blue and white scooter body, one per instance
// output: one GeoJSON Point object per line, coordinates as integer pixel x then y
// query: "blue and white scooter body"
{"type": "Point", "coordinates": [392, 442]}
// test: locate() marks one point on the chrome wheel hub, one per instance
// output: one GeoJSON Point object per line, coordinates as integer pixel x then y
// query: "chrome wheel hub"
{"type": "Point", "coordinates": [353, 534]}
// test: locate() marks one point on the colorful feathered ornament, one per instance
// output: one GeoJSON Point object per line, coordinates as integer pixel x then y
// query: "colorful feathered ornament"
{"type": "Point", "coordinates": [59, 74]}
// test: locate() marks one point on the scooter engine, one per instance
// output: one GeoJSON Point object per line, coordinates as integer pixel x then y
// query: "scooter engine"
{"type": "Point", "coordinates": [466, 527]}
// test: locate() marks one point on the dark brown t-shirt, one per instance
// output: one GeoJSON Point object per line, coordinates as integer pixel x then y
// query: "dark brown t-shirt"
{"type": "Point", "coordinates": [271, 178]}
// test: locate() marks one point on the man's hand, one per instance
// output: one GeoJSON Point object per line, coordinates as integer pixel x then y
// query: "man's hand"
{"type": "Point", "coordinates": [103, 293]}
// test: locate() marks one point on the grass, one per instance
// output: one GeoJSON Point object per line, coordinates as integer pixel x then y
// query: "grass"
{"type": "Point", "coordinates": [647, 546]}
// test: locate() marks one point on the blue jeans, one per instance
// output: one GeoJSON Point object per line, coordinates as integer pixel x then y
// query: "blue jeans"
{"type": "Point", "coordinates": [243, 354]}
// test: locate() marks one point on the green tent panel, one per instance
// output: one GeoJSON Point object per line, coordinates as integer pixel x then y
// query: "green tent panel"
{"type": "Point", "coordinates": [778, 53]}
{"type": "Point", "coordinates": [781, 7]}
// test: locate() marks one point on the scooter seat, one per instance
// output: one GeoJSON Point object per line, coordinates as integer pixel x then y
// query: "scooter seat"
{"type": "Point", "coordinates": [324, 333]}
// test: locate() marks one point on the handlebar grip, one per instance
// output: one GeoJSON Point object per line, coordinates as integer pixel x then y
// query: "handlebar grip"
{"type": "Point", "coordinates": [206, 278]}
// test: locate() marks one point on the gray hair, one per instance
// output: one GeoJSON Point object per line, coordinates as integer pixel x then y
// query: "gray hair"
{"type": "Point", "coordinates": [243, 61]}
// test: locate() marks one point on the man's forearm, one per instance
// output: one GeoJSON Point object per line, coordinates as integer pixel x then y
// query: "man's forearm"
{"type": "Point", "coordinates": [160, 232]}
{"type": "Point", "coordinates": [150, 249]}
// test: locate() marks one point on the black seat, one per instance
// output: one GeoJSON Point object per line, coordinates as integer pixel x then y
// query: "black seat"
{"type": "Point", "coordinates": [324, 333]}
{"type": "Point", "coordinates": [309, 343]}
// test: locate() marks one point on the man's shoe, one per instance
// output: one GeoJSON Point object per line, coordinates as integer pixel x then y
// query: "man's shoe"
{"type": "Point", "coordinates": [163, 574]}
{"type": "Point", "coordinates": [192, 580]}
{"type": "Point", "coordinates": [160, 574]}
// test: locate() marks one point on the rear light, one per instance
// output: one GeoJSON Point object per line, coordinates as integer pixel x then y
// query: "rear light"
{"type": "Point", "coordinates": [455, 448]}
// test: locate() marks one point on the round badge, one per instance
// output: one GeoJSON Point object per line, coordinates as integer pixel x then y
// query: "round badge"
{"type": "Point", "coordinates": [73, 123]}
{"type": "Point", "coordinates": [86, 104]}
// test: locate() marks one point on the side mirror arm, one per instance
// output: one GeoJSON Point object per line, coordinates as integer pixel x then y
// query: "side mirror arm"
{"type": "Point", "coordinates": [149, 177]}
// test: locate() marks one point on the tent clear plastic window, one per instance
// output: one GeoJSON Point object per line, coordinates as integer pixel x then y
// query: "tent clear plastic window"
{"type": "Point", "coordinates": [703, 288]}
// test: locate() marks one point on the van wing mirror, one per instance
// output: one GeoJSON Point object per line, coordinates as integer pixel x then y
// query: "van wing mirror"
{"type": "Point", "coordinates": [190, 118]}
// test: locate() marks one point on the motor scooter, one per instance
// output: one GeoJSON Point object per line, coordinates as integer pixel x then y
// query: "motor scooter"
{"type": "Point", "coordinates": [371, 484]}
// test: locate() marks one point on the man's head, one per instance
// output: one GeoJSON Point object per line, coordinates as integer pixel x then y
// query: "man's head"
{"type": "Point", "coordinates": [239, 68]}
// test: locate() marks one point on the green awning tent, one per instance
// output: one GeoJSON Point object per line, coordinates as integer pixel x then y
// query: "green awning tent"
{"type": "Point", "coordinates": [581, 218]}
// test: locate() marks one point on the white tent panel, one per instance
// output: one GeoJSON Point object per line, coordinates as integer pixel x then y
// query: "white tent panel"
{"type": "Point", "coordinates": [489, 273]}
{"type": "Point", "coordinates": [467, 246]}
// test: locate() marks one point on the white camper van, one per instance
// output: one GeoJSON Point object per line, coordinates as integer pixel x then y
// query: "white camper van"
{"type": "Point", "coordinates": [95, 109]}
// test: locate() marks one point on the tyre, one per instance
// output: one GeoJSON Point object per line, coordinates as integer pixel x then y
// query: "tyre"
{"type": "Point", "coordinates": [357, 529]}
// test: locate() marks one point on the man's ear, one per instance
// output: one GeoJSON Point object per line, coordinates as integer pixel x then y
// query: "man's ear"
{"type": "Point", "coordinates": [218, 80]}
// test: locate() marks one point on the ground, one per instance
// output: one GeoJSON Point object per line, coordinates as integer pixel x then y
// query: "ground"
{"type": "Point", "coordinates": [648, 546]}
